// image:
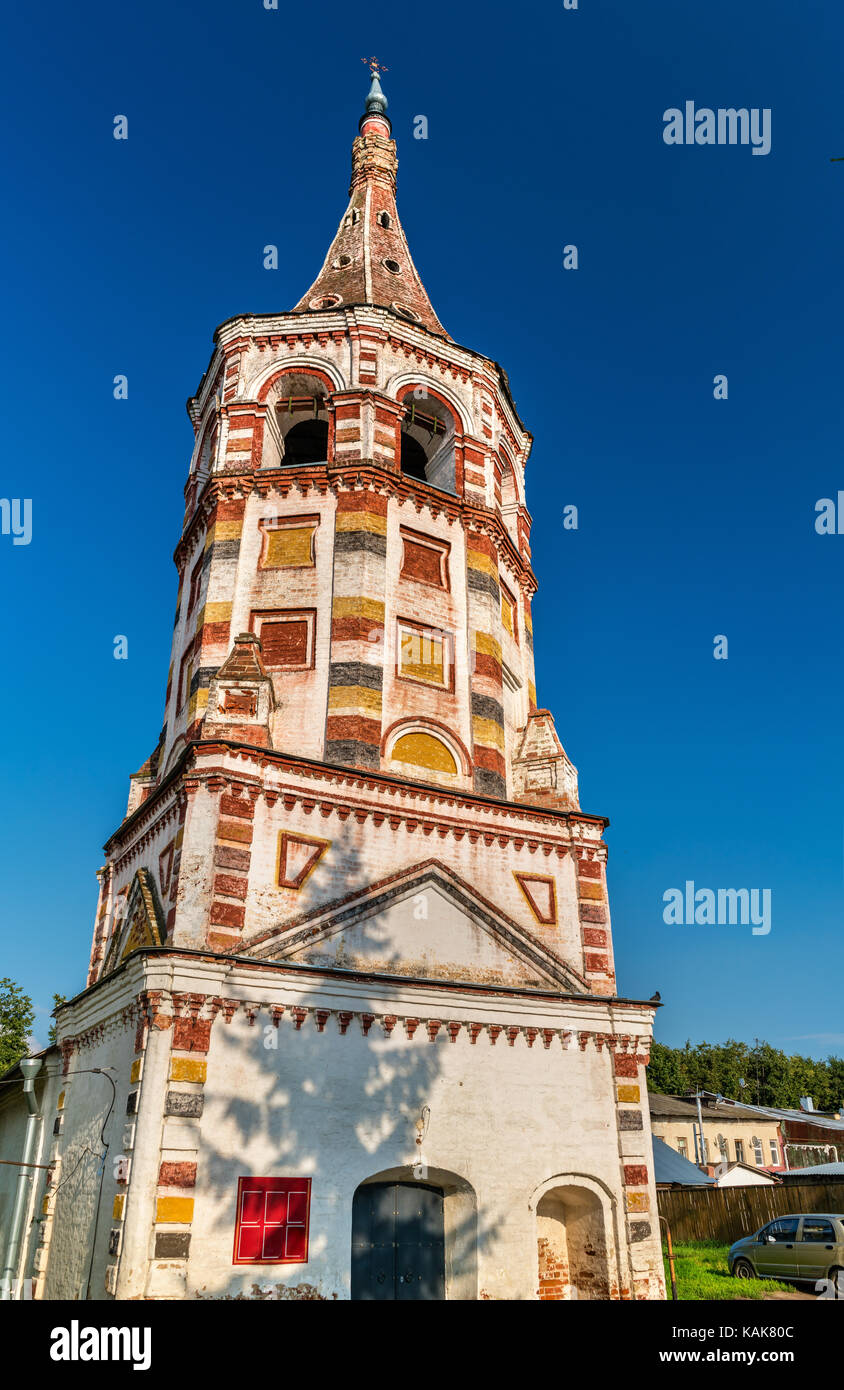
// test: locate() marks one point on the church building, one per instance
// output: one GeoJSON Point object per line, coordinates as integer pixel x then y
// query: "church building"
{"type": "Point", "coordinates": [352, 973]}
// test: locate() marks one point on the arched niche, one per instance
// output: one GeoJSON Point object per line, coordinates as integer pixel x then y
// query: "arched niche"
{"type": "Point", "coordinates": [577, 1239]}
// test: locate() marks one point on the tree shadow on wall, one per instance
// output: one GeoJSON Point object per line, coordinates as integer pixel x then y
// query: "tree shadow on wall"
{"type": "Point", "coordinates": [339, 1099]}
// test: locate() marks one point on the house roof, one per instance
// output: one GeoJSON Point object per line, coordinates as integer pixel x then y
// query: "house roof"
{"type": "Point", "coordinates": [806, 1117]}
{"type": "Point", "coordinates": [671, 1168]}
{"type": "Point", "coordinates": [829, 1170]}
{"type": "Point", "coordinates": [723, 1168]}
{"type": "Point", "coordinates": [664, 1107]}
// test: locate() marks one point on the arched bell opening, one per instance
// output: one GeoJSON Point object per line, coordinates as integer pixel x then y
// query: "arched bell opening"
{"type": "Point", "coordinates": [297, 422]}
{"type": "Point", "coordinates": [427, 441]}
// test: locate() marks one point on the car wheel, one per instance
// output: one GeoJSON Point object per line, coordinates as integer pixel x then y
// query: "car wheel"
{"type": "Point", "coordinates": [743, 1269]}
{"type": "Point", "coordinates": [836, 1278]}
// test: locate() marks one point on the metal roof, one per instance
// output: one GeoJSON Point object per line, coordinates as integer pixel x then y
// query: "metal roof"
{"type": "Point", "coordinates": [679, 1108]}
{"type": "Point", "coordinates": [835, 1170]}
{"type": "Point", "coordinates": [672, 1167]}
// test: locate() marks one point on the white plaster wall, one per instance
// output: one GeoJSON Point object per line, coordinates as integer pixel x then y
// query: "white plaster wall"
{"type": "Point", "coordinates": [78, 1209]}
{"type": "Point", "coordinates": [342, 1108]}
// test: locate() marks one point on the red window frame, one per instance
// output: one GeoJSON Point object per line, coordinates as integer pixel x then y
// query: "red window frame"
{"type": "Point", "coordinates": [272, 1221]}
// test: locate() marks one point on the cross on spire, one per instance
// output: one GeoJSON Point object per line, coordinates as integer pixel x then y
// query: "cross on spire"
{"type": "Point", "coordinates": [374, 66]}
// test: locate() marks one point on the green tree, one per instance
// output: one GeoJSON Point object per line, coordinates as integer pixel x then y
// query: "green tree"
{"type": "Point", "coordinates": [58, 999]}
{"type": "Point", "coordinates": [16, 1019]}
{"type": "Point", "coordinates": [770, 1076]}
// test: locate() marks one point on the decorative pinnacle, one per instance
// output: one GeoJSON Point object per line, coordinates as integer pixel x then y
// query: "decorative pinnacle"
{"type": "Point", "coordinates": [376, 102]}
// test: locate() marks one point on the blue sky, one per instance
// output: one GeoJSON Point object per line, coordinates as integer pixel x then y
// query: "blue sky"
{"type": "Point", "coordinates": [696, 516]}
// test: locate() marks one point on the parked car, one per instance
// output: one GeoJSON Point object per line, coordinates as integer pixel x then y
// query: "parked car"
{"type": "Point", "coordinates": [792, 1247]}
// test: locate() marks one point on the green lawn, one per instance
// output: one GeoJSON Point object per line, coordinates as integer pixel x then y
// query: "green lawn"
{"type": "Point", "coordinates": [702, 1273]}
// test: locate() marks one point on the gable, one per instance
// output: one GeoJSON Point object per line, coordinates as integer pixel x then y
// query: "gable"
{"type": "Point", "coordinates": [140, 924]}
{"type": "Point", "coordinates": [428, 924]}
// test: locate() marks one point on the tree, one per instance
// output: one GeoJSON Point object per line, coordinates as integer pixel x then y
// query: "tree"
{"type": "Point", "coordinates": [770, 1076]}
{"type": "Point", "coordinates": [58, 1000]}
{"type": "Point", "coordinates": [16, 1019]}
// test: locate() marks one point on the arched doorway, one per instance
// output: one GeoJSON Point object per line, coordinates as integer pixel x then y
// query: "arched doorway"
{"type": "Point", "coordinates": [398, 1242]}
{"type": "Point", "coordinates": [572, 1240]}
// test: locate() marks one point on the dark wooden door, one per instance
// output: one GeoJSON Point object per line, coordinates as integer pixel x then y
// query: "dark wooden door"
{"type": "Point", "coordinates": [398, 1246]}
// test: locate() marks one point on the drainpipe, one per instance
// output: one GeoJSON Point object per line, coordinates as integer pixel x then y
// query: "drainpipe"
{"type": "Point", "coordinates": [30, 1067]}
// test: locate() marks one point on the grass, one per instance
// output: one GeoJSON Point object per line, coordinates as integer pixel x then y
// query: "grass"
{"type": "Point", "coordinates": [703, 1274]}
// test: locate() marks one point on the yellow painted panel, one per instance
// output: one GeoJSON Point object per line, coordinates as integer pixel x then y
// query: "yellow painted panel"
{"type": "Point", "coordinates": [60, 1101]}
{"type": "Point", "coordinates": [532, 693]}
{"type": "Point", "coordinates": [354, 697]}
{"type": "Point", "coordinates": [174, 1209]}
{"type": "Point", "coordinates": [487, 732]}
{"type": "Point", "coordinates": [507, 615]}
{"type": "Point", "coordinates": [362, 521]}
{"type": "Point", "coordinates": [117, 1209]}
{"type": "Point", "coordinates": [637, 1201]}
{"type": "Point", "coordinates": [135, 1073]}
{"type": "Point", "coordinates": [630, 1095]}
{"type": "Point", "coordinates": [188, 1068]}
{"type": "Point", "coordinates": [423, 750]}
{"type": "Point", "coordinates": [289, 547]}
{"type": "Point", "coordinates": [422, 657]}
{"type": "Point", "coordinates": [358, 607]}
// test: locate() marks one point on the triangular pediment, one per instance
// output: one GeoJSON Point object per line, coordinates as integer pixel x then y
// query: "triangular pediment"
{"type": "Point", "coordinates": [138, 923]}
{"type": "Point", "coordinates": [425, 923]}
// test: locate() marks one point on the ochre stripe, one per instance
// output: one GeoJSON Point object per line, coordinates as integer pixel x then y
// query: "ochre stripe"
{"type": "Point", "coordinates": [362, 521]}
{"type": "Point", "coordinates": [487, 732]}
{"type": "Point", "coordinates": [358, 607]}
{"type": "Point", "coordinates": [214, 613]}
{"type": "Point", "coordinates": [353, 697]}
{"type": "Point", "coordinates": [197, 703]}
{"type": "Point", "coordinates": [487, 645]}
{"type": "Point", "coordinates": [476, 561]}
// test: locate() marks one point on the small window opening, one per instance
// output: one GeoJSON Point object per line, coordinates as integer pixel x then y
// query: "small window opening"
{"type": "Point", "coordinates": [383, 219]}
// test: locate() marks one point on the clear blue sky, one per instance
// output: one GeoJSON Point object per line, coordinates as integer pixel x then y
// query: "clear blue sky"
{"type": "Point", "coordinates": [696, 516]}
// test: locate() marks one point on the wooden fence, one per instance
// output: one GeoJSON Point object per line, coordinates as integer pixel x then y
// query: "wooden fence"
{"type": "Point", "coordinates": [728, 1213]}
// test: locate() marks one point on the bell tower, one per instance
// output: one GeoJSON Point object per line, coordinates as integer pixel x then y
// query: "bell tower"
{"type": "Point", "coordinates": [355, 571]}
{"type": "Point", "coordinates": [354, 886]}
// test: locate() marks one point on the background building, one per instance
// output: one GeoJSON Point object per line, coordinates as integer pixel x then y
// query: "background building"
{"type": "Point", "coordinates": [731, 1133]}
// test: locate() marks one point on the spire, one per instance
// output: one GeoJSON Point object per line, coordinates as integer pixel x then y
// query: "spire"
{"type": "Point", "coordinates": [376, 102]}
{"type": "Point", "coordinates": [369, 261]}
